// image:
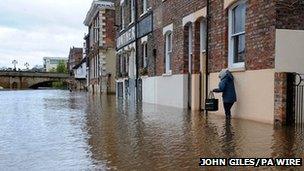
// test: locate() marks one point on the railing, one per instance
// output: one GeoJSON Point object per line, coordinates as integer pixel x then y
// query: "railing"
{"type": "Point", "coordinates": [299, 101]}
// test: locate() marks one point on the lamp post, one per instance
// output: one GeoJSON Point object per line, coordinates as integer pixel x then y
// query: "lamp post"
{"type": "Point", "coordinates": [27, 65]}
{"type": "Point", "coordinates": [14, 62]}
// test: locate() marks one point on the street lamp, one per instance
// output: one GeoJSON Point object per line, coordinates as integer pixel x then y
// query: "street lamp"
{"type": "Point", "coordinates": [14, 62]}
{"type": "Point", "coordinates": [27, 65]}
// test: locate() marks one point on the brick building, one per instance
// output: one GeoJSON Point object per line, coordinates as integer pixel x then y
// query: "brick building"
{"type": "Point", "coordinates": [75, 61]}
{"type": "Point", "coordinates": [134, 21]}
{"type": "Point", "coordinates": [100, 47]}
{"type": "Point", "coordinates": [152, 58]}
{"type": "Point", "coordinates": [259, 41]}
{"type": "Point", "coordinates": [75, 57]}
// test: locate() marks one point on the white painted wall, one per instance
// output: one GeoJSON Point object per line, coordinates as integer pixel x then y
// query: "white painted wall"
{"type": "Point", "coordinates": [255, 95]}
{"type": "Point", "coordinates": [81, 71]}
{"type": "Point", "coordinates": [166, 90]}
{"type": "Point", "coordinates": [289, 51]}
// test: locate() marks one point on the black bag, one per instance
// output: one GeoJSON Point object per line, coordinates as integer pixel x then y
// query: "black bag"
{"type": "Point", "coordinates": [211, 103]}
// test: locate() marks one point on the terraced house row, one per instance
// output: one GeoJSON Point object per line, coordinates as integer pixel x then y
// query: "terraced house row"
{"type": "Point", "coordinates": [169, 52]}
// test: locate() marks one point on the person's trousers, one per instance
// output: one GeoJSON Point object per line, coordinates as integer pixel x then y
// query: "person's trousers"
{"type": "Point", "coordinates": [227, 107]}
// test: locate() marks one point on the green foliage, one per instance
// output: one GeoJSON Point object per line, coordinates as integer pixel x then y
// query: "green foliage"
{"type": "Point", "coordinates": [53, 70]}
{"type": "Point", "coordinates": [61, 67]}
{"type": "Point", "coordinates": [59, 85]}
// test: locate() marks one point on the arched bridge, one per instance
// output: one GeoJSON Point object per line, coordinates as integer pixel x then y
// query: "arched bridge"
{"type": "Point", "coordinates": [26, 80]}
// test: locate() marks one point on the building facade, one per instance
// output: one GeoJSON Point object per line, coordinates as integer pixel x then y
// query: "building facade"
{"type": "Point", "coordinates": [153, 49]}
{"type": "Point", "coordinates": [51, 63]}
{"type": "Point", "coordinates": [77, 69]}
{"type": "Point", "coordinates": [259, 41]}
{"type": "Point", "coordinates": [100, 43]}
{"type": "Point", "coordinates": [75, 57]}
{"type": "Point", "coordinates": [191, 41]}
{"type": "Point", "coordinates": [80, 75]}
{"type": "Point", "coordinates": [134, 27]}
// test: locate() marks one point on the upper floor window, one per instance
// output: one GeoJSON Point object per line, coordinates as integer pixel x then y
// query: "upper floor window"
{"type": "Point", "coordinates": [145, 54]}
{"type": "Point", "coordinates": [190, 46]}
{"type": "Point", "coordinates": [132, 12]}
{"type": "Point", "coordinates": [237, 18]}
{"type": "Point", "coordinates": [168, 52]}
{"type": "Point", "coordinates": [122, 14]}
{"type": "Point", "coordinates": [144, 6]}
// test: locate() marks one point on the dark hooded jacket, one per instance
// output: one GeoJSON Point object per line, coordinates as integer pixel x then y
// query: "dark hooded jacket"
{"type": "Point", "coordinates": [226, 86]}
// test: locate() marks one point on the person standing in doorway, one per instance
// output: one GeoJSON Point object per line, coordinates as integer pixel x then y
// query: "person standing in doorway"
{"type": "Point", "coordinates": [226, 86]}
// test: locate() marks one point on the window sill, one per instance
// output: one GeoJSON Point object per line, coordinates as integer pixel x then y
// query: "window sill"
{"type": "Point", "coordinates": [145, 12]}
{"type": "Point", "coordinates": [132, 22]}
{"type": "Point", "coordinates": [167, 74]}
{"type": "Point", "coordinates": [237, 69]}
{"type": "Point", "coordinates": [122, 30]}
{"type": "Point", "coordinates": [144, 76]}
{"type": "Point", "coordinates": [142, 14]}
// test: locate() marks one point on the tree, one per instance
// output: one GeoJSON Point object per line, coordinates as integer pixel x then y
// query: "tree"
{"type": "Point", "coordinates": [61, 67]}
{"type": "Point", "coordinates": [14, 62]}
{"type": "Point", "coordinates": [53, 70]}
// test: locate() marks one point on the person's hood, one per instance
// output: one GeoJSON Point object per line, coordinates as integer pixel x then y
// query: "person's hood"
{"type": "Point", "coordinates": [225, 73]}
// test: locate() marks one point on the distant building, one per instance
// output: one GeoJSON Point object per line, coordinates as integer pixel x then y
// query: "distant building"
{"type": "Point", "coordinates": [80, 75]}
{"type": "Point", "coordinates": [37, 68]}
{"type": "Point", "coordinates": [75, 57]}
{"type": "Point", "coordinates": [77, 69]}
{"type": "Point", "coordinates": [50, 63]}
{"type": "Point", "coordinates": [100, 44]}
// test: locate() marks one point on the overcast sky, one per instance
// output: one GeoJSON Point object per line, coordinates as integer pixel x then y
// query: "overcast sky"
{"type": "Point", "coordinates": [32, 29]}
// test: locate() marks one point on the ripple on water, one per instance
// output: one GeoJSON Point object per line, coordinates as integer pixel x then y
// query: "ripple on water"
{"type": "Point", "coordinates": [60, 130]}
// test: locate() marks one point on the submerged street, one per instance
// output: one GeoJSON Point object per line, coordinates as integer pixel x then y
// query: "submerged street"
{"type": "Point", "coordinates": [62, 130]}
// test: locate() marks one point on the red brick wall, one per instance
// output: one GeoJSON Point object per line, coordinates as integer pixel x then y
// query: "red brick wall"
{"type": "Point", "coordinates": [290, 14]}
{"type": "Point", "coordinates": [75, 57]}
{"type": "Point", "coordinates": [165, 13]}
{"type": "Point", "coordinates": [110, 38]}
{"type": "Point", "coordinates": [260, 35]}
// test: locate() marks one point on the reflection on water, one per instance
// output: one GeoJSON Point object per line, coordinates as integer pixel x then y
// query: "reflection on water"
{"type": "Point", "coordinates": [59, 130]}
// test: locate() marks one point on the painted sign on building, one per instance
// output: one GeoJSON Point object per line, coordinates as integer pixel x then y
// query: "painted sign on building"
{"type": "Point", "coordinates": [126, 38]}
{"type": "Point", "coordinates": [145, 26]}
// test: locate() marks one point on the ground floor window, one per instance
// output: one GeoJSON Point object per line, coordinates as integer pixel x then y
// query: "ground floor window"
{"type": "Point", "coordinates": [237, 19]}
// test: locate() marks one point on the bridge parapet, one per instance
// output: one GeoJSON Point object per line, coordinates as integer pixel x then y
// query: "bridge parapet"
{"type": "Point", "coordinates": [34, 74]}
{"type": "Point", "coordinates": [25, 80]}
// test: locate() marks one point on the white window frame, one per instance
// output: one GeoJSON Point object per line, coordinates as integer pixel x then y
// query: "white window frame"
{"type": "Point", "coordinates": [144, 6]}
{"type": "Point", "coordinates": [168, 53]}
{"type": "Point", "coordinates": [190, 47]}
{"type": "Point", "coordinates": [122, 12]}
{"type": "Point", "coordinates": [132, 11]}
{"type": "Point", "coordinates": [231, 63]}
{"type": "Point", "coordinates": [145, 48]}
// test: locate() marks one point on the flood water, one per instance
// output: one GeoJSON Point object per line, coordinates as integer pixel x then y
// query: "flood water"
{"type": "Point", "coordinates": [61, 130]}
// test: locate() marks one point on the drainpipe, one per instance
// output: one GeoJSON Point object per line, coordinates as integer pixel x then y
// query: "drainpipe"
{"type": "Point", "coordinates": [136, 47]}
{"type": "Point", "coordinates": [207, 49]}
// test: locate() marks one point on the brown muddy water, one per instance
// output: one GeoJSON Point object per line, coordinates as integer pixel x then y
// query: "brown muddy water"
{"type": "Point", "coordinates": [60, 130]}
